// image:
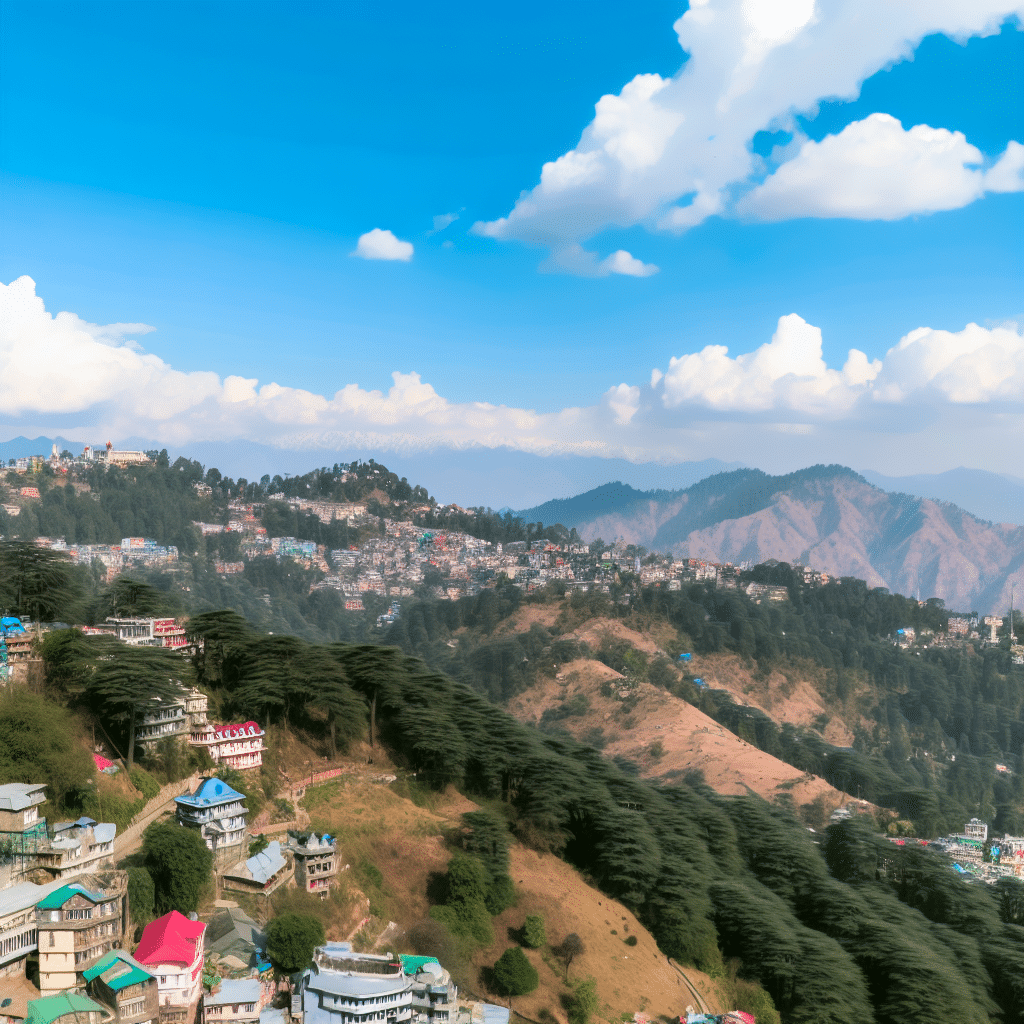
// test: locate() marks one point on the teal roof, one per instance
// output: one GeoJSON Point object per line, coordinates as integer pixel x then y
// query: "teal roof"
{"type": "Point", "coordinates": [60, 896]}
{"type": "Point", "coordinates": [46, 1011]}
{"type": "Point", "coordinates": [415, 964]}
{"type": "Point", "coordinates": [118, 970]}
{"type": "Point", "coordinates": [210, 792]}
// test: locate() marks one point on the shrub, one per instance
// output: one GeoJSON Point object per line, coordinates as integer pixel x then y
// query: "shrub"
{"type": "Point", "coordinates": [630, 940]}
{"type": "Point", "coordinates": [534, 935]}
{"type": "Point", "coordinates": [514, 975]}
{"type": "Point", "coordinates": [144, 783]}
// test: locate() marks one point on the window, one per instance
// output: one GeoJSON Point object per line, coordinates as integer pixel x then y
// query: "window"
{"type": "Point", "coordinates": [53, 940]}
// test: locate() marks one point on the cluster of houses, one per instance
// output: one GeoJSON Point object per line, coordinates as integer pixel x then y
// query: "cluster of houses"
{"type": "Point", "coordinates": [69, 927]}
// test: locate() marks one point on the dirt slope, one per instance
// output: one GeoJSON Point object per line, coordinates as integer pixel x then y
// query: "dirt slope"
{"type": "Point", "coordinates": [405, 843]}
{"type": "Point", "coordinates": [689, 739]}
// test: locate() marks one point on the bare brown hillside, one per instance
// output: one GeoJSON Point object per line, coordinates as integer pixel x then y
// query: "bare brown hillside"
{"type": "Point", "coordinates": [376, 825]}
{"type": "Point", "coordinates": [665, 736]}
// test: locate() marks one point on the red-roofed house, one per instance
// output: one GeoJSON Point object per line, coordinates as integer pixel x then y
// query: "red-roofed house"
{"type": "Point", "coordinates": [171, 948]}
{"type": "Point", "coordinates": [238, 746]}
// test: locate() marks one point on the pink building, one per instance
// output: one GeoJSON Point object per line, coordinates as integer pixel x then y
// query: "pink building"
{"type": "Point", "coordinates": [238, 746]}
{"type": "Point", "coordinates": [171, 949]}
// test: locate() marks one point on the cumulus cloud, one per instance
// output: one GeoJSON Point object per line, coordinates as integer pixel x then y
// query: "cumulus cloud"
{"type": "Point", "coordinates": [1008, 174]}
{"type": "Point", "coordinates": [927, 368]}
{"type": "Point", "coordinates": [380, 244]}
{"type": "Point", "coordinates": [875, 170]}
{"type": "Point", "coordinates": [57, 374]}
{"type": "Point", "coordinates": [671, 152]}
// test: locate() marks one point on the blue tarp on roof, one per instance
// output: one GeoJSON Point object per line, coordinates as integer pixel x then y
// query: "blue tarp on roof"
{"type": "Point", "coordinates": [210, 792]}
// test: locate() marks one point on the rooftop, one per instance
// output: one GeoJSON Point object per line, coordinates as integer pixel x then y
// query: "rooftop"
{"type": "Point", "coordinates": [242, 990]}
{"type": "Point", "coordinates": [209, 793]}
{"type": "Point", "coordinates": [16, 796]}
{"type": "Point", "coordinates": [24, 895]}
{"type": "Point", "coordinates": [118, 970]}
{"type": "Point", "coordinates": [171, 939]}
{"type": "Point", "coordinates": [45, 1011]}
{"type": "Point", "coordinates": [56, 899]}
{"type": "Point", "coordinates": [264, 865]}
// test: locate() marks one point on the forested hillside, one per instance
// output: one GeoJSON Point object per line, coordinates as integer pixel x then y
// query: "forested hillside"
{"type": "Point", "coordinates": [852, 930]}
{"type": "Point", "coordinates": [930, 724]}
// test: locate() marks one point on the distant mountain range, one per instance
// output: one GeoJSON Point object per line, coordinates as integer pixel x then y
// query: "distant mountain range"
{"type": "Point", "coordinates": [827, 517]}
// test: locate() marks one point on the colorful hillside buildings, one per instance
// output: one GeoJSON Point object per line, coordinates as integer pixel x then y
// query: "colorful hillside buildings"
{"type": "Point", "coordinates": [220, 815]}
{"type": "Point", "coordinates": [18, 926]}
{"type": "Point", "coordinates": [119, 982]}
{"type": "Point", "coordinates": [238, 746]}
{"type": "Point", "coordinates": [77, 924]}
{"type": "Point", "coordinates": [171, 948]}
{"type": "Point", "coordinates": [343, 987]}
{"type": "Point", "coordinates": [316, 862]}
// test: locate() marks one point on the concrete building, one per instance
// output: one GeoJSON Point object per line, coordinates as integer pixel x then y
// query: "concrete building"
{"type": "Point", "coordinates": [77, 924]}
{"type": "Point", "coordinates": [166, 720]}
{"type": "Point", "coordinates": [18, 935]}
{"type": "Point", "coordinates": [171, 948]}
{"type": "Point", "coordinates": [143, 632]}
{"type": "Point", "coordinates": [77, 848]}
{"type": "Point", "coordinates": [238, 746]}
{"type": "Point", "coordinates": [220, 815]}
{"type": "Point", "coordinates": [316, 862]}
{"type": "Point", "coordinates": [234, 1001]}
{"type": "Point", "coordinates": [434, 996]}
{"type": "Point", "coordinates": [22, 830]}
{"type": "Point", "coordinates": [976, 829]}
{"type": "Point", "coordinates": [125, 987]}
{"type": "Point", "coordinates": [348, 988]}
{"type": "Point", "coordinates": [264, 872]}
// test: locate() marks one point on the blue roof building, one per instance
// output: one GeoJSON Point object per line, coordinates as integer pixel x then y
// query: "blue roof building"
{"type": "Point", "coordinates": [220, 815]}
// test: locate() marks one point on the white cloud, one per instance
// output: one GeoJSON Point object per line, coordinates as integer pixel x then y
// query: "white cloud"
{"type": "Point", "coordinates": [56, 376]}
{"type": "Point", "coordinates": [873, 170]}
{"type": "Point", "coordinates": [672, 152]}
{"type": "Point", "coordinates": [786, 373]}
{"type": "Point", "coordinates": [1008, 174]}
{"type": "Point", "coordinates": [576, 260]}
{"type": "Point", "coordinates": [379, 244]}
{"type": "Point", "coordinates": [926, 369]}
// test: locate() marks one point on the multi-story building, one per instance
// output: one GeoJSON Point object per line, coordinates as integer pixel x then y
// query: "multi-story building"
{"type": "Point", "coordinates": [142, 632]}
{"type": "Point", "coordinates": [345, 988]}
{"type": "Point", "coordinates": [238, 746]}
{"type": "Point", "coordinates": [166, 719]}
{"type": "Point", "coordinates": [234, 1001]}
{"type": "Point", "coordinates": [976, 829]}
{"type": "Point", "coordinates": [125, 987]}
{"type": "Point", "coordinates": [196, 706]}
{"type": "Point", "coordinates": [171, 948]}
{"type": "Point", "coordinates": [18, 925]}
{"type": "Point", "coordinates": [77, 848]}
{"type": "Point", "coordinates": [220, 815]}
{"type": "Point", "coordinates": [434, 996]}
{"type": "Point", "coordinates": [22, 831]}
{"type": "Point", "coordinates": [76, 924]}
{"type": "Point", "coordinates": [316, 862]}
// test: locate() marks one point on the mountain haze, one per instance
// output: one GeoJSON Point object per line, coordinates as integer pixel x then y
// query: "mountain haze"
{"type": "Point", "coordinates": [827, 517]}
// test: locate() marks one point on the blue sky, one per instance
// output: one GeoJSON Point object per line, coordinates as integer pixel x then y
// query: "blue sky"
{"type": "Point", "coordinates": [199, 176]}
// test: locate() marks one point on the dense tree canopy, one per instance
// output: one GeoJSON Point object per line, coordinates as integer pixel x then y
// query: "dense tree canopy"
{"type": "Point", "coordinates": [179, 864]}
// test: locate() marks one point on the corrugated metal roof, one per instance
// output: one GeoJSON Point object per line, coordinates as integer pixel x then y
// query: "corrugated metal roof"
{"type": "Point", "coordinates": [16, 796]}
{"type": "Point", "coordinates": [59, 897]}
{"type": "Point", "coordinates": [240, 990]}
{"type": "Point", "coordinates": [49, 1009]}
{"type": "Point", "coordinates": [118, 970]}
{"type": "Point", "coordinates": [264, 865]}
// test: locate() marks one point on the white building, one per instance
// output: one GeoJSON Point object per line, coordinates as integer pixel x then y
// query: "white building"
{"type": "Point", "coordinates": [171, 948]}
{"type": "Point", "coordinates": [239, 746]}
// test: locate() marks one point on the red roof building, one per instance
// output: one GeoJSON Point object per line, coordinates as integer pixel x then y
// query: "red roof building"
{"type": "Point", "coordinates": [171, 948]}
